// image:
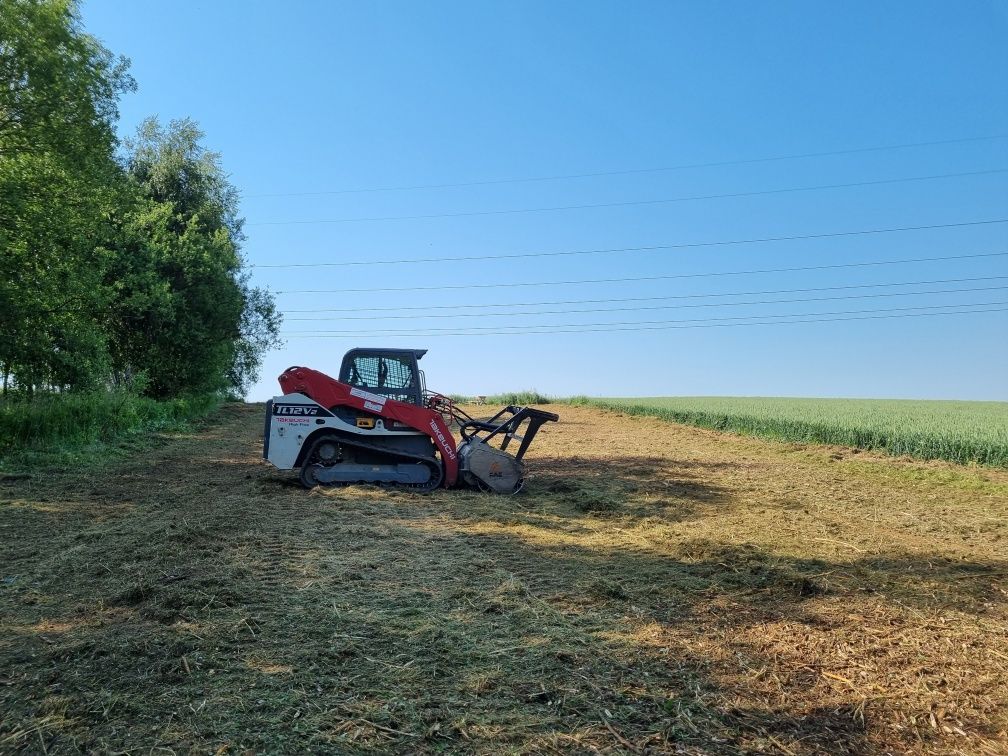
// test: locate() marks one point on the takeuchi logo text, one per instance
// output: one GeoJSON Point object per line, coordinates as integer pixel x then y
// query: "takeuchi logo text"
{"type": "Point", "coordinates": [441, 437]}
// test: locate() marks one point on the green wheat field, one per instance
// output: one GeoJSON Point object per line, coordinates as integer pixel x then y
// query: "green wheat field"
{"type": "Point", "coordinates": [957, 431]}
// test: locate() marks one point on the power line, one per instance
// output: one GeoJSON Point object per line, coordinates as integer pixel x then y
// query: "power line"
{"type": "Point", "coordinates": [649, 248]}
{"type": "Point", "coordinates": [651, 299]}
{"type": "Point", "coordinates": [834, 266]}
{"type": "Point", "coordinates": [323, 335]}
{"type": "Point", "coordinates": [651, 307]}
{"type": "Point", "coordinates": [535, 329]}
{"type": "Point", "coordinates": [633, 171]}
{"type": "Point", "coordinates": [731, 195]}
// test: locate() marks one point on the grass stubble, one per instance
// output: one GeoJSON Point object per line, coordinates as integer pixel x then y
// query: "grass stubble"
{"type": "Point", "coordinates": [657, 588]}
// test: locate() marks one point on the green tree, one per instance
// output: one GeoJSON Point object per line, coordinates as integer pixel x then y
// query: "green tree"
{"type": "Point", "coordinates": [59, 187]}
{"type": "Point", "coordinates": [126, 270]}
{"type": "Point", "coordinates": [184, 315]}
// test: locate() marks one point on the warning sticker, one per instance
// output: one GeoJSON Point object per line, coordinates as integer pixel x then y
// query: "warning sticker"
{"type": "Point", "coordinates": [368, 396]}
{"type": "Point", "coordinates": [372, 406]}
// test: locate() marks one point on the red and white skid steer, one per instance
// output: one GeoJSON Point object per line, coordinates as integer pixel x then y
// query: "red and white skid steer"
{"type": "Point", "coordinates": [379, 424]}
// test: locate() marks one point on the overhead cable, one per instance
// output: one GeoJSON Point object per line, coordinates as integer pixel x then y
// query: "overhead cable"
{"type": "Point", "coordinates": [638, 203]}
{"type": "Point", "coordinates": [646, 308]}
{"type": "Point", "coordinates": [533, 328]}
{"type": "Point", "coordinates": [612, 250]}
{"type": "Point", "coordinates": [323, 335]}
{"type": "Point", "coordinates": [714, 274]}
{"type": "Point", "coordinates": [668, 297]}
{"type": "Point", "coordinates": [633, 171]}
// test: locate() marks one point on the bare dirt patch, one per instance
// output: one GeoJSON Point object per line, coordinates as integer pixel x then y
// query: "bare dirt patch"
{"type": "Point", "coordinates": [655, 589]}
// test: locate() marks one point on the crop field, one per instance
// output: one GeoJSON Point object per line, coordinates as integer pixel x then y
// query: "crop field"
{"type": "Point", "coordinates": [656, 588]}
{"type": "Point", "coordinates": [955, 431]}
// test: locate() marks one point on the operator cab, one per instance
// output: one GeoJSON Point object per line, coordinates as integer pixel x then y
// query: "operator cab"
{"type": "Point", "coordinates": [391, 372]}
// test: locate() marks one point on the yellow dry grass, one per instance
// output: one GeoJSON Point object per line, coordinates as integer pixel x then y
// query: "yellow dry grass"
{"type": "Point", "coordinates": [655, 589]}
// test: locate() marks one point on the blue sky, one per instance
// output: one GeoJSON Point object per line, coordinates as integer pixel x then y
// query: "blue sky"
{"type": "Point", "coordinates": [313, 99]}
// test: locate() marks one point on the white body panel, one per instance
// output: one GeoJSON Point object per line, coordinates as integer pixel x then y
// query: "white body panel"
{"type": "Point", "coordinates": [294, 417]}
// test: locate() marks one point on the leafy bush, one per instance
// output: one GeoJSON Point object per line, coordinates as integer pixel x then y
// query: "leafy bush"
{"type": "Point", "coordinates": [65, 422]}
{"type": "Point", "coordinates": [522, 398]}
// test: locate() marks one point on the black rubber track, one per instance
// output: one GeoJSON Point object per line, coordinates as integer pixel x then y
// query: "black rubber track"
{"type": "Point", "coordinates": [346, 439]}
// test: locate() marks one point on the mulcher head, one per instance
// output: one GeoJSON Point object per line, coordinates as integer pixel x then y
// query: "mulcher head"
{"type": "Point", "coordinates": [490, 468]}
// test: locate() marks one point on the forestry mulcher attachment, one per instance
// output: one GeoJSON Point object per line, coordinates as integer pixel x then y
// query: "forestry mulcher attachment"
{"type": "Point", "coordinates": [379, 424]}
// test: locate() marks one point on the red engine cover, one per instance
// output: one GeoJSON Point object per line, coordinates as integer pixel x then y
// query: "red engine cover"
{"type": "Point", "coordinates": [332, 393]}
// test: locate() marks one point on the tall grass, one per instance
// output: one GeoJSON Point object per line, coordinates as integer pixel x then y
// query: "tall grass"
{"type": "Point", "coordinates": [955, 431]}
{"type": "Point", "coordinates": [66, 423]}
{"type": "Point", "coordinates": [522, 398]}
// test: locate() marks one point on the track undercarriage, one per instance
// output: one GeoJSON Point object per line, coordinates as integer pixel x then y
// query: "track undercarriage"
{"type": "Point", "coordinates": [335, 459]}
{"type": "Point", "coordinates": [378, 424]}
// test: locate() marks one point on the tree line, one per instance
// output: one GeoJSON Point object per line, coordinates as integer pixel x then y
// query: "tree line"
{"type": "Point", "coordinates": [120, 260]}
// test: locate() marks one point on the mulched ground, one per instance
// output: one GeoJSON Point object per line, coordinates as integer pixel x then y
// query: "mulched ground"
{"type": "Point", "coordinates": [655, 589]}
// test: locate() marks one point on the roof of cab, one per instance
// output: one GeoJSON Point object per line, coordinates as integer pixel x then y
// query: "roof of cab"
{"type": "Point", "coordinates": [417, 353]}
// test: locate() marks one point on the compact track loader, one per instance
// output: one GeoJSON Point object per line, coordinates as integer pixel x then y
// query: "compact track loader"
{"type": "Point", "coordinates": [379, 424]}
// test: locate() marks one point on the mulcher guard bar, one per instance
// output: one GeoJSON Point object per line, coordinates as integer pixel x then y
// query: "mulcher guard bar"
{"type": "Point", "coordinates": [506, 422]}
